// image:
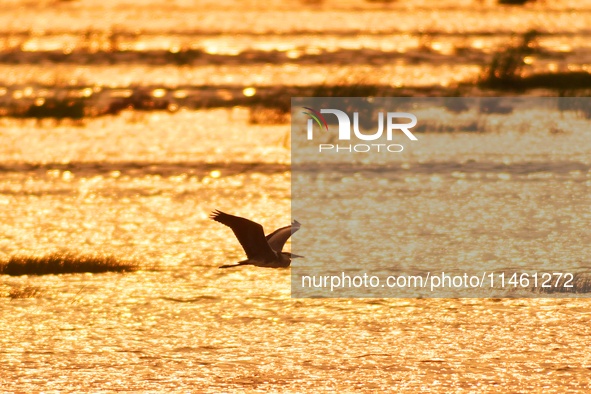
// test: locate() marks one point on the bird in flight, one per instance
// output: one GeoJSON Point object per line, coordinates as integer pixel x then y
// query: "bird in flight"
{"type": "Point", "coordinates": [261, 250]}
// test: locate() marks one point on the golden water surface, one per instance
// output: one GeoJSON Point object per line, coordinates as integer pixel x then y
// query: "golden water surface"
{"type": "Point", "coordinates": [140, 186]}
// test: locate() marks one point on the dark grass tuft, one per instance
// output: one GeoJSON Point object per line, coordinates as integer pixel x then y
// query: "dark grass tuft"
{"type": "Point", "coordinates": [506, 67]}
{"type": "Point", "coordinates": [63, 263]}
{"type": "Point", "coordinates": [507, 70]}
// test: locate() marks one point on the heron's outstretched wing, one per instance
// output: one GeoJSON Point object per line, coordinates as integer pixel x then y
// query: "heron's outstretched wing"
{"type": "Point", "coordinates": [250, 235]}
{"type": "Point", "coordinates": [279, 237]}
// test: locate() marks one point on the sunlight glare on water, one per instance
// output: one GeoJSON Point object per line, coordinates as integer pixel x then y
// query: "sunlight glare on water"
{"type": "Point", "coordinates": [141, 186]}
{"type": "Point", "coordinates": [181, 323]}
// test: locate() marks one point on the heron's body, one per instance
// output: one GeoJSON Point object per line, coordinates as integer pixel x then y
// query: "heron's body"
{"type": "Point", "coordinates": [261, 250]}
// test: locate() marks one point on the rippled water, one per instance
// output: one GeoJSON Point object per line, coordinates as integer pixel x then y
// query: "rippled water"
{"type": "Point", "coordinates": [509, 196]}
{"type": "Point", "coordinates": [230, 45]}
{"type": "Point", "coordinates": [142, 186]}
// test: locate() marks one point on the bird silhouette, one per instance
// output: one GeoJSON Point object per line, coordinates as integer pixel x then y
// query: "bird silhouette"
{"type": "Point", "coordinates": [261, 250]}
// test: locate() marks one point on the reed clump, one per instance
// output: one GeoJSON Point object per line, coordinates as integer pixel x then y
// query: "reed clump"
{"type": "Point", "coordinates": [507, 66]}
{"type": "Point", "coordinates": [507, 70]}
{"type": "Point", "coordinates": [64, 263]}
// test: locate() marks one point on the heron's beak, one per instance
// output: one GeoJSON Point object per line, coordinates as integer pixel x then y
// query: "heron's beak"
{"type": "Point", "coordinates": [295, 256]}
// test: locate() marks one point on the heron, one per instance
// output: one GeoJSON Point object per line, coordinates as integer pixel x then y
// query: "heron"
{"type": "Point", "coordinates": [261, 250]}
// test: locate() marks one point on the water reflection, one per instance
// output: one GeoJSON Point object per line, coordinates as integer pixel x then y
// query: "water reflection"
{"type": "Point", "coordinates": [141, 185]}
{"type": "Point", "coordinates": [181, 322]}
